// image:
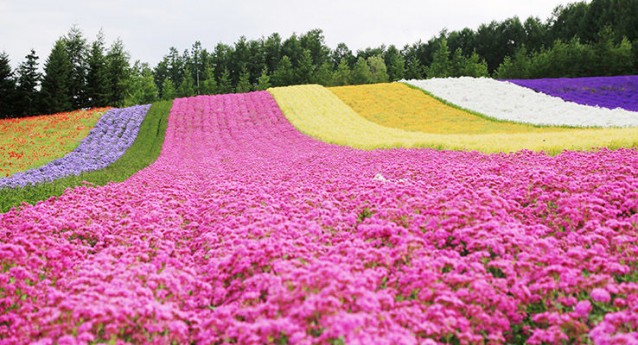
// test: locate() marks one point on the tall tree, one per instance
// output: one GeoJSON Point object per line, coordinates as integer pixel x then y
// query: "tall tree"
{"type": "Point", "coordinates": [395, 63]}
{"type": "Point", "coordinates": [342, 74]}
{"type": "Point", "coordinates": [55, 93]}
{"type": "Point", "coordinates": [304, 72]}
{"type": "Point", "coordinates": [76, 48]}
{"type": "Point", "coordinates": [263, 83]}
{"type": "Point", "coordinates": [284, 74]}
{"type": "Point", "coordinates": [28, 79]}
{"type": "Point", "coordinates": [141, 88]}
{"type": "Point", "coordinates": [224, 84]}
{"type": "Point", "coordinates": [378, 69]}
{"type": "Point", "coordinates": [441, 65]}
{"type": "Point", "coordinates": [7, 86]}
{"type": "Point", "coordinates": [97, 84]}
{"type": "Point", "coordinates": [243, 85]}
{"type": "Point", "coordinates": [361, 73]}
{"type": "Point", "coordinates": [323, 75]}
{"type": "Point", "coordinates": [186, 88]}
{"type": "Point", "coordinates": [117, 60]}
{"type": "Point", "coordinates": [168, 89]}
{"type": "Point", "coordinates": [209, 85]}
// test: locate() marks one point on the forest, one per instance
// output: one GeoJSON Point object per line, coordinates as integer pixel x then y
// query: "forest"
{"type": "Point", "coordinates": [597, 38]}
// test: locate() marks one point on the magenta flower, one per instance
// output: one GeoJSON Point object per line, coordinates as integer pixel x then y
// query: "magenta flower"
{"type": "Point", "coordinates": [600, 295]}
{"type": "Point", "coordinates": [583, 308]}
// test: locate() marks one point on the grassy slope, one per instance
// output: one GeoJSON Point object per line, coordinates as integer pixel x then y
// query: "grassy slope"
{"type": "Point", "coordinates": [143, 152]}
{"type": "Point", "coordinates": [317, 112]}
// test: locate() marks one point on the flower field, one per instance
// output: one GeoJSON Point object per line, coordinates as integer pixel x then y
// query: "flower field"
{"type": "Point", "coordinates": [398, 106]}
{"type": "Point", "coordinates": [108, 140]}
{"type": "Point", "coordinates": [607, 92]}
{"type": "Point", "coordinates": [253, 227]}
{"type": "Point", "coordinates": [319, 113]}
{"type": "Point", "coordinates": [510, 102]}
{"type": "Point", "coordinates": [30, 142]}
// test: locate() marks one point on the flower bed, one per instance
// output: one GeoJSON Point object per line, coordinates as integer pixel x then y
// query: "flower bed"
{"type": "Point", "coordinates": [246, 231]}
{"type": "Point", "coordinates": [510, 102]}
{"type": "Point", "coordinates": [606, 92]}
{"type": "Point", "coordinates": [107, 141]}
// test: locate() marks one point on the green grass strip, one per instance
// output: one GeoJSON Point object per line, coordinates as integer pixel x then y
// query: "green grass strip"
{"type": "Point", "coordinates": [144, 151]}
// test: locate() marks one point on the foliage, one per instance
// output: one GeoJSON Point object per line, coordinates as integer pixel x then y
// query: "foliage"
{"type": "Point", "coordinates": [55, 95]}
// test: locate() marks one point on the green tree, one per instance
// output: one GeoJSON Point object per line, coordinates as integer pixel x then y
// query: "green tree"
{"type": "Point", "coordinates": [142, 88]}
{"type": "Point", "coordinates": [28, 79]}
{"type": "Point", "coordinates": [395, 63]}
{"type": "Point", "coordinates": [361, 73]}
{"type": "Point", "coordinates": [76, 48]}
{"type": "Point", "coordinates": [97, 85]}
{"type": "Point", "coordinates": [117, 62]}
{"type": "Point", "coordinates": [304, 71]}
{"type": "Point", "coordinates": [224, 84]}
{"type": "Point", "coordinates": [55, 93]}
{"type": "Point", "coordinates": [475, 67]}
{"type": "Point", "coordinates": [168, 89]}
{"type": "Point", "coordinates": [209, 85]}
{"type": "Point", "coordinates": [243, 85]}
{"type": "Point", "coordinates": [441, 66]}
{"type": "Point", "coordinates": [516, 67]}
{"type": "Point", "coordinates": [284, 74]}
{"type": "Point", "coordinates": [263, 83]}
{"type": "Point", "coordinates": [342, 74]}
{"type": "Point", "coordinates": [323, 76]}
{"type": "Point", "coordinates": [378, 69]}
{"type": "Point", "coordinates": [186, 88]}
{"type": "Point", "coordinates": [7, 86]}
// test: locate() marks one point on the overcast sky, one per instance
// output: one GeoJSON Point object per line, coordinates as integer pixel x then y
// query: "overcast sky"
{"type": "Point", "coordinates": [148, 28]}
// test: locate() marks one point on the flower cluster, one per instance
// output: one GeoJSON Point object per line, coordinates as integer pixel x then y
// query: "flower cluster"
{"type": "Point", "coordinates": [108, 140]}
{"type": "Point", "coordinates": [318, 112]}
{"type": "Point", "coordinates": [606, 92]}
{"type": "Point", "coordinates": [511, 102]}
{"type": "Point", "coordinates": [247, 231]}
{"type": "Point", "coordinates": [36, 140]}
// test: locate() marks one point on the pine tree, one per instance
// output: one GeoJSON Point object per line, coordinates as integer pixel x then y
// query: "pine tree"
{"type": "Point", "coordinates": [28, 79]}
{"type": "Point", "coordinates": [168, 89]}
{"type": "Point", "coordinates": [141, 85]}
{"type": "Point", "coordinates": [55, 93]}
{"type": "Point", "coordinates": [323, 76]}
{"type": "Point", "coordinates": [284, 74]}
{"type": "Point", "coordinates": [304, 71]}
{"type": "Point", "coordinates": [361, 73]}
{"type": "Point", "coordinates": [263, 83]}
{"type": "Point", "coordinates": [395, 63]}
{"type": "Point", "coordinates": [76, 49]}
{"type": "Point", "coordinates": [117, 61]}
{"type": "Point", "coordinates": [378, 69]}
{"type": "Point", "coordinates": [243, 85]}
{"type": "Point", "coordinates": [97, 85]}
{"type": "Point", "coordinates": [187, 87]}
{"type": "Point", "coordinates": [7, 86]}
{"type": "Point", "coordinates": [441, 66]}
{"type": "Point", "coordinates": [342, 74]}
{"type": "Point", "coordinates": [224, 85]}
{"type": "Point", "coordinates": [209, 85]}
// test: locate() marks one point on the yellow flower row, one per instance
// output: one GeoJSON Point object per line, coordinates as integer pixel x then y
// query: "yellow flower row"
{"type": "Point", "coordinates": [319, 113]}
{"type": "Point", "coordinates": [399, 106]}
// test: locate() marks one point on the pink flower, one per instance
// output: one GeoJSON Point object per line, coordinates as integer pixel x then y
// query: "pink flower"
{"type": "Point", "coordinates": [600, 295]}
{"type": "Point", "coordinates": [583, 308]}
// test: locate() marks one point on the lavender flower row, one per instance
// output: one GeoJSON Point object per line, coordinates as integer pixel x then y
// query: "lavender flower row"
{"type": "Point", "coordinates": [605, 92]}
{"type": "Point", "coordinates": [108, 140]}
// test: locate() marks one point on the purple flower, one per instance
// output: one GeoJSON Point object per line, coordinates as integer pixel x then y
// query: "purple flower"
{"type": "Point", "coordinates": [583, 308]}
{"type": "Point", "coordinates": [600, 295]}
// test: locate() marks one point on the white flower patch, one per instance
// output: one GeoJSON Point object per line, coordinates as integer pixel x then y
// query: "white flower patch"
{"type": "Point", "coordinates": [506, 101]}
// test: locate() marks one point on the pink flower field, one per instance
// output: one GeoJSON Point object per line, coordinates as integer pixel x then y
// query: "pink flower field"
{"type": "Point", "coordinates": [246, 231]}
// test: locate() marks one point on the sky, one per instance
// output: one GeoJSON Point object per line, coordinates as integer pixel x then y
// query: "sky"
{"type": "Point", "coordinates": [149, 28]}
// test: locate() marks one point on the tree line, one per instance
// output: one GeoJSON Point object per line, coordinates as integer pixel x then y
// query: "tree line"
{"type": "Point", "coordinates": [579, 39]}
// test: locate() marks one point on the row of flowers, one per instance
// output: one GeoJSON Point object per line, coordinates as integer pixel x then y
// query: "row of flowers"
{"type": "Point", "coordinates": [606, 92]}
{"type": "Point", "coordinates": [510, 102]}
{"type": "Point", "coordinates": [33, 141]}
{"type": "Point", "coordinates": [247, 231]}
{"type": "Point", "coordinates": [318, 112]}
{"type": "Point", "coordinates": [113, 134]}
